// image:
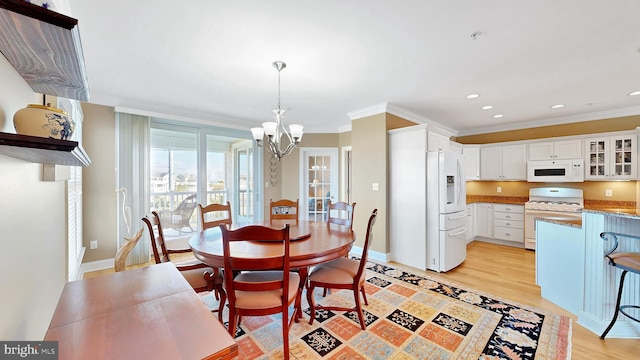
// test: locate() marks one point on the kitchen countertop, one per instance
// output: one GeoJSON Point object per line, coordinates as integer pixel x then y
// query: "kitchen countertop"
{"type": "Point", "coordinates": [515, 200]}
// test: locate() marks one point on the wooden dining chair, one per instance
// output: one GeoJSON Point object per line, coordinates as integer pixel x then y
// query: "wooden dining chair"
{"type": "Point", "coordinates": [341, 213]}
{"type": "Point", "coordinates": [199, 275]}
{"type": "Point", "coordinates": [283, 210]}
{"type": "Point", "coordinates": [342, 273]}
{"type": "Point", "coordinates": [266, 285]}
{"type": "Point", "coordinates": [214, 215]}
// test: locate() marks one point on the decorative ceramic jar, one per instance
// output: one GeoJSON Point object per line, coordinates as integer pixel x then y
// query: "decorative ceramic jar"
{"type": "Point", "coordinates": [44, 121]}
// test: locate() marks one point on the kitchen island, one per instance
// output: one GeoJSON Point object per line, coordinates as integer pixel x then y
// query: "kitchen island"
{"type": "Point", "coordinates": [572, 272]}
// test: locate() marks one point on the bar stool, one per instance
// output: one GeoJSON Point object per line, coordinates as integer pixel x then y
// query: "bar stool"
{"type": "Point", "coordinates": [626, 261]}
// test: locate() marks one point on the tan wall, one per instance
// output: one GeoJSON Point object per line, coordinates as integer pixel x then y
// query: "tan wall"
{"type": "Point", "coordinates": [592, 190]}
{"type": "Point", "coordinates": [578, 128]}
{"type": "Point", "coordinates": [395, 122]}
{"type": "Point", "coordinates": [288, 168]}
{"type": "Point", "coordinates": [34, 228]}
{"type": "Point", "coordinates": [99, 183]}
{"type": "Point", "coordinates": [369, 159]}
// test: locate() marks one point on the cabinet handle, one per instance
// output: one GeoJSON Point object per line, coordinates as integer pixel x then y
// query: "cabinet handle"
{"type": "Point", "coordinates": [508, 234]}
{"type": "Point", "coordinates": [508, 216]}
{"type": "Point", "coordinates": [508, 224]}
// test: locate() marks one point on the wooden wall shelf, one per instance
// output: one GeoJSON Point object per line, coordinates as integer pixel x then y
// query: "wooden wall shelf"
{"type": "Point", "coordinates": [44, 47]}
{"type": "Point", "coordinates": [43, 150]}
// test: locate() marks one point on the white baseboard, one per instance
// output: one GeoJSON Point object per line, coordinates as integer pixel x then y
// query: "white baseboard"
{"type": "Point", "coordinates": [97, 265]}
{"type": "Point", "coordinates": [373, 255]}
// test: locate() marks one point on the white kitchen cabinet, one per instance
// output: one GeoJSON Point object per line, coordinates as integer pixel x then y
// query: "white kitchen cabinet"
{"type": "Point", "coordinates": [613, 157]}
{"type": "Point", "coordinates": [471, 223]}
{"type": "Point", "coordinates": [436, 141]}
{"type": "Point", "coordinates": [508, 222]}
{"type": "Point", "coordinates": [556, 150]}
{"type": "Point", "coordinates": [503, 162]}
{"type": "Point", "coordinates": [471, 158]}
{"type": "Point", "coordinates": [484, 220]}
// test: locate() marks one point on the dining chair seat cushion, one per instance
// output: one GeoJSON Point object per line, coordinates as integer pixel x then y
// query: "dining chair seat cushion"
{"type": "Point", "coordinates": [337, 271]}
{"type": "Point", "coordinates": [264, 299]}
{"type": "Point", "coordinates": [628, 260]}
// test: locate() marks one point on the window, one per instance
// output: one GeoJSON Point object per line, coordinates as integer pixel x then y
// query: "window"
{"type": "Point", "coordinates": [191, 165]}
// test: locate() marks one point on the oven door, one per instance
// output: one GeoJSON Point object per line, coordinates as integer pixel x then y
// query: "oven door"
{"type": "Point", "coordinates": [530, 216]}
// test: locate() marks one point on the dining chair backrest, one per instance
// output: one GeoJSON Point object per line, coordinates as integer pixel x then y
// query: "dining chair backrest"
{"type": "Point", "coordinates": [277, 261]}
{"type": "Point", "coordinates": [214, 215]}
{"type": "Point", "coordinates": [283, 210]}
{"type": "Point", "coordinates": [341, 213]}
{"type": "Point", "coordinates": [160, 253]}
{"type": "Point", "coordinates": [367, 243]}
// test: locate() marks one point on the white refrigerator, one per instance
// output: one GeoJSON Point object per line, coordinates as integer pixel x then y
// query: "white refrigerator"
{"type": "Point", "coordinates": [425, 200]}
{"type": "Point", "coordinates": [446, 211]}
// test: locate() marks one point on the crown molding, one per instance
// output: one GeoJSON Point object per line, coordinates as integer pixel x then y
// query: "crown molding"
{"type": "Point", "coordinates": [400, 112]}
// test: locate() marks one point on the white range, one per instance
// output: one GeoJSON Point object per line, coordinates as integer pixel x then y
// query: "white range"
{"type": "Point", "coordinates": [550, 203]}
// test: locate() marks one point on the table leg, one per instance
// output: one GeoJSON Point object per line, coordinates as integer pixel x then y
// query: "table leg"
{"type": "Point", "coordinates": [304, 272]}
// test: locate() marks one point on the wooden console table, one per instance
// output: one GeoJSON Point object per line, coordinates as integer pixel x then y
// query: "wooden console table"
{"type": "Point", "coordinates": [146, 313]}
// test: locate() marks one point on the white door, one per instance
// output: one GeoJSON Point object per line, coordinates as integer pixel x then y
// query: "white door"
{"type": "Point", "coordinates": [319, 182]}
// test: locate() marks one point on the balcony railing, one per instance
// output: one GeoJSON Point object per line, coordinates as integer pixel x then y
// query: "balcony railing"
{"type": "Point", "coordinates": [169, 201]}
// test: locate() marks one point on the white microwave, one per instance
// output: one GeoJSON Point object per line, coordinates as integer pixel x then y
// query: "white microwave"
{"type": "Point", "coordinates": [569, 170]}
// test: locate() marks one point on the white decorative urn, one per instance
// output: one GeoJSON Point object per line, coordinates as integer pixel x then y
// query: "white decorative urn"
{"type": "Point", "coordinates": [44, 121]}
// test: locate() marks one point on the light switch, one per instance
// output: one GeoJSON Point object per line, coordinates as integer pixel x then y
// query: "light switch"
{"type": "Point", "coordinates": [499, 189]}
{"type": "Point", "coordinates": [608, 192]}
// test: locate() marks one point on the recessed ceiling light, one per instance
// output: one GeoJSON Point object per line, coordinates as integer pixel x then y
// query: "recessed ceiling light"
{"type": "Point", "coordinates": [473, 96]}
{"type": "Point", "coordinates": [498, 116]}
{"type": "Point", "coordinates": [487, 107]}
{"type": "Point", "coordinates": [557, 106]}
{"type": "Point", "coordinates": [634, 93]}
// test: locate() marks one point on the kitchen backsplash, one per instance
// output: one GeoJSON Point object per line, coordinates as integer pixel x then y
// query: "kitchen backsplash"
{"type": "Point", "coordinates": [622, 191]}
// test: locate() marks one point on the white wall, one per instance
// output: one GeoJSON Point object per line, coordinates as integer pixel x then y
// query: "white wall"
{"type": "Point", "coordinates": [33, 229]}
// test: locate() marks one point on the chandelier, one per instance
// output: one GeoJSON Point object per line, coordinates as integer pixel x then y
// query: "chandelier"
{"type": "Point", "coordinates": [275, 129]}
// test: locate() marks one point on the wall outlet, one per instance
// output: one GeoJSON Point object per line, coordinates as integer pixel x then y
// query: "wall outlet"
{"type": "Point", "coordinates": [93, 244]}
{"type": "Point", "coordinates": [499, 189]}
{"type": "Point", "coordinates": [608, 192]}
{"type": "Point", "coordinates": [375, 186]}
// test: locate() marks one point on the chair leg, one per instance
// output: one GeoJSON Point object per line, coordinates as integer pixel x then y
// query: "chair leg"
{"type": "Point", "coordinates": [356, 297]}
{"type": "Point", "coordinates": [223, 300]}
{"type": "Point", "coordinates": [364, 295]}
{"type": "Point", "coordinates": [232, 322]}
{"type": "Point", "coordinates": [615, 315]}
{"type": "Point", "coordinates": [285, 332]}
{"type": "Point", "coordinates": [312, 304]}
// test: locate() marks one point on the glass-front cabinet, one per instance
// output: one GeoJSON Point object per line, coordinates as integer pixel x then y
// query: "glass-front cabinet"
{"type": "Point", "coordinates": [612, 157]}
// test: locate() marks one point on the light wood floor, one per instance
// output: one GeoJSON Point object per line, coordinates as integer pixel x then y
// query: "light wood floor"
{"type": "Point", "coordinates": [509, 273]}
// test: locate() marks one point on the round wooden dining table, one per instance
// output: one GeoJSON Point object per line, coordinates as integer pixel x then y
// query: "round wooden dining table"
{"type": "Point", "coordinates": [311, 243]}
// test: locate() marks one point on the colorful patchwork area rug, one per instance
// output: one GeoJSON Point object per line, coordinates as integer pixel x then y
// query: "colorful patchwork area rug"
{"type": "Point", "coordinates": [410, 317]}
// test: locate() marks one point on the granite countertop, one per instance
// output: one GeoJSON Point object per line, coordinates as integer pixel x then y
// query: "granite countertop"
{"type": "Point", "coordinates": [573, 223]}
{"type": "Point", "coordinates": [623, 212]}
{"type": "Point", "coordinates": [515, 200]}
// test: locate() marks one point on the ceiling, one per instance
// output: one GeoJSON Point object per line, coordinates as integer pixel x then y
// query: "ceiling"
{"type": "Point", "coordinates": [211, 60]}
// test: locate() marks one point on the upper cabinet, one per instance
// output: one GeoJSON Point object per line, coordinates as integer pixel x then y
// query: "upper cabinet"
{"type": "Point", "coordinates": [44, 47]}
{"type": "Point", "coordinates": [613, 157]}
{"type": "Point", "coordinates": [471, 159]}
{"type": "Point", "coordinates": [556, 150]}
{"type": "Point", "coordinates": [436, 141]}
{"type": "Point", "coordinates": [503, 162]}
